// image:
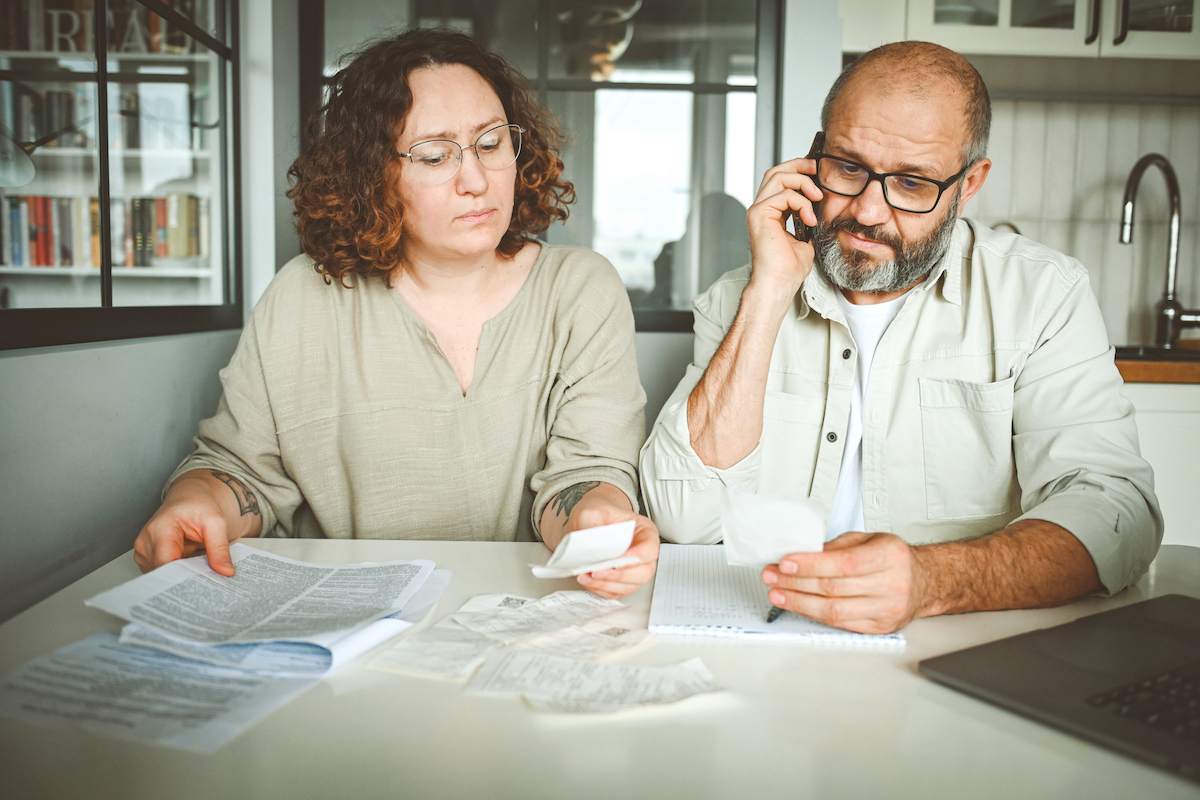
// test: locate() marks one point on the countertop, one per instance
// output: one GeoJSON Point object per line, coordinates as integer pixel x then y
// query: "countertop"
{"type": "Point", "coordinates": [1183, 371]}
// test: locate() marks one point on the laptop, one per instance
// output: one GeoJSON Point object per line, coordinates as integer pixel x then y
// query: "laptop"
{"type": "Point", "coordinates": [1127, 679]}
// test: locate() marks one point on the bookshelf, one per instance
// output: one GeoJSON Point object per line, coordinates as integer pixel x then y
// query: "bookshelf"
{"type": "Point", "coordinates": [166, 170]}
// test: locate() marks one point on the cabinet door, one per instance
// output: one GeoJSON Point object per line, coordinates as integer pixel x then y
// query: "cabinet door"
{"type": "Point", "coordinates": [1008, 27]}
{"type": "Point", "coordinates": [1150, 29]}
{"type": "Point", "coordinates": [866, 24]}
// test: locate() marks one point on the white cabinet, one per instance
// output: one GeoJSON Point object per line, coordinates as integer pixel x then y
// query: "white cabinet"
{"type": "Point", "coordinates": [1168, 420]}
{"type": "Point", "coordinates": [1080, 28]}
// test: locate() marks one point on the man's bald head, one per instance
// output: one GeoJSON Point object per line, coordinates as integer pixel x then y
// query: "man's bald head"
{"type": "Point", "coordinates": [920, 70]}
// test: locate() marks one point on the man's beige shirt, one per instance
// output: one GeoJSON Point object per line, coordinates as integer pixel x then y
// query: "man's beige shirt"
{"type": "Point", "coordinates": [341, 413]}
{"type": "Point", "coordinates": [992, 397]}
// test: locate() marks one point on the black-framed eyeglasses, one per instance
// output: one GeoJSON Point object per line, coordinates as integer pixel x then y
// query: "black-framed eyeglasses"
{"type": "Point", "coordinates": [438, 160]}
{"type": "Point", "coordinates": [914, 194]}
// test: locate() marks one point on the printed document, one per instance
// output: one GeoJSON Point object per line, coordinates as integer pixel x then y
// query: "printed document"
{"type": "Point", "coordinates": [132, 693]}
{"type": "Point", "coordinates": [270, 598]}
{"type": "Point", "coordinates": [298, 658]}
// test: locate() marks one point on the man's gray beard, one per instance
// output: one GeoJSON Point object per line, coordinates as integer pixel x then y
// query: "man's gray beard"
{"type": "Point", "coordinates": [856, 272]}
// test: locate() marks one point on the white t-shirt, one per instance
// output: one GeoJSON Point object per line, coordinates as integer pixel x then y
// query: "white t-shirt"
{"type": "Point", "coordinates": [867, 324]}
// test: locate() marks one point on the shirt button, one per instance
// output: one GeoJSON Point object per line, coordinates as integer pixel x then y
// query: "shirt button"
{"type": "Point", "coordinates": [831, 436]}
{"type": "Point", "coordinates": [846, 353]}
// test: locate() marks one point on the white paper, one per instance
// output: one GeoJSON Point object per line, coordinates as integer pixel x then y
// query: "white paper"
{"type": "Point", "coordinates": [144, 695]}
{"type": "Point", "coordinates": [270, 598]}
{"type": "Point", "coordinates": [550, 613]}
{"type": "Point", "coordinates": [447, 650]}
{"type": "Point", "coordinates": [298, 658]}
{"type": "Point", "coordinates": [599, 639]}
{"type": "Point", "coordinates": [760, 530]}
{"type": "Point", "coordinates": [697, 593]}
{"type": "Point", "coordinates": [589, 550]}
{"type": "Point", "coordinates": [555, 683]}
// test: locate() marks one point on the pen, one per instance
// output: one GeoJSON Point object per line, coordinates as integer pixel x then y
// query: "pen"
{"type": "Point", "coordinates": [775, 613]}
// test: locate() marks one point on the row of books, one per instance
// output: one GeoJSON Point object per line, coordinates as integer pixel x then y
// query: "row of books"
{"type": "Point", "coordinates": [43, 231]}
{"type": "Point", "coordinates": [154, 116]}
{"type": "Point", "coordinates": [69, 26]}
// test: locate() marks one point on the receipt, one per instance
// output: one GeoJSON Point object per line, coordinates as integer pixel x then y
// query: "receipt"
{"type": "Point", "coordinates": [447, 650]}
{"type": "Point", "coordinates": [761, 530]}
{"type": "Point", "coordinates": [555, 683]}
{"type": "Point", "coordinates": [551, 613]}
{"type": "Point", "coordinates": [589, 550]}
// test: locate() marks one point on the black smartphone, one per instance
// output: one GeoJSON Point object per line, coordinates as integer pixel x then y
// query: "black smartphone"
{"type": "Point", "coordinates": [803, 232]}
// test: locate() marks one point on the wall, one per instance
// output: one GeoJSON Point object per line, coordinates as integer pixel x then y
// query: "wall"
{"type": "Point", "coordinates": [89, 433]}
{"type": "Point", "coordinates": [1059, 170]}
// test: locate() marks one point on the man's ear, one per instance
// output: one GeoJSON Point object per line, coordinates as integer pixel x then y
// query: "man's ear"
{"type": "Point", "coordinates": [975, 178]}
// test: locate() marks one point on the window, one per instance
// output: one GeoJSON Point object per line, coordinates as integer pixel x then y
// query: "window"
{"type": "Point", "coordinates": [118, 195]}
{"type": "Point", "coordinates": [669, 111]}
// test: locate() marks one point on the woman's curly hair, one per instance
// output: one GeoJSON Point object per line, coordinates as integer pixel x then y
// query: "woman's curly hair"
{"type": "Point", "coordinates": [346, 209]}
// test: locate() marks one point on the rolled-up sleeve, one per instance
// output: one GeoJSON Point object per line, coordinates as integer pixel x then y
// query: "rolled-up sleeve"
{"type": "Point", "coordinates": [597, 404]}
{"type": "Point", "coordinates": [682, 493]}
{"type": "Point", "coordinates": [240, 438]}
{"type": "Point", "coordinates": [1075, 442]}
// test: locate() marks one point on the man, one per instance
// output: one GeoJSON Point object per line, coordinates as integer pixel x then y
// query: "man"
{"type": "Point", "coordinates": [947, 392]}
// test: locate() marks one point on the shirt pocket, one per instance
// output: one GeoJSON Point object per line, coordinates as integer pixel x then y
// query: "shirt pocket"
{"type": "Point", "coordinates": [966, 430]}
{"type": "Point", "coordinates": [791, 437]}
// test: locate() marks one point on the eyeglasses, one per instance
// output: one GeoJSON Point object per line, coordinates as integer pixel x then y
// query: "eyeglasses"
{"type": "Point", "coordinates": [438, 160]}
{"type": "Point", "coordinates": [901, 191]}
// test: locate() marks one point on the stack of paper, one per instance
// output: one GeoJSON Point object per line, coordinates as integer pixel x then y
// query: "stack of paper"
{"type": "Point", "coordinates": [206, 656]}
{"type": "Point", "coordinates": [538, 650]}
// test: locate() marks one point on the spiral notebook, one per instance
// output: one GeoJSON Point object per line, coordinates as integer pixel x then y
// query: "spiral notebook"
{"type": "Point", "coordinates": [697, 594]}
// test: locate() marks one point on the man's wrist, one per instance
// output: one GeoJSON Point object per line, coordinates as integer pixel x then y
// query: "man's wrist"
{"type": "Point", "coordinates": [766, 300]}
{"type": "Point", "coordinates": [929, 572]}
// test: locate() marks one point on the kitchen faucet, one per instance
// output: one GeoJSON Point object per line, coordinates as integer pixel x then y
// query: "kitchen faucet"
{"type": "Point", "coordinates": [1170, 316]}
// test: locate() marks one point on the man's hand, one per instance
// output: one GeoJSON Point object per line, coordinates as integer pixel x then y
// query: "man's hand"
{"type": "Point", "coordinates": [863, 582]}
{"type": "Point", "coordinates": [778, 260]}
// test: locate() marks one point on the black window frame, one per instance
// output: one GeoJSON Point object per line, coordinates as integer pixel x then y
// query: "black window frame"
{"type": "Point", "coordinates": [769, 20]}
{"type": "Point", "coordinates": [43, 327]}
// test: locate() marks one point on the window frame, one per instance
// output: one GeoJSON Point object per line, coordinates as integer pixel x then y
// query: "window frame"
{"type": "Point", "coordinates": [43, 327]}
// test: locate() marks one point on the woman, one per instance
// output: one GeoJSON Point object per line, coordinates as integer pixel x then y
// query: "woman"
{"type": "Point", "coordinates": [427, 370]}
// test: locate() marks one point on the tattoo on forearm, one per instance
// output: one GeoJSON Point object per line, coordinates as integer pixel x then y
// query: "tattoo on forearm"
{"type": "Point", "coordinates": [566, 500]}
{"type": "Point", "coordinates": [247, 501]}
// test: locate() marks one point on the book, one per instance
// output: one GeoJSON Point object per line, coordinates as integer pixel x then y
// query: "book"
{"type": "Point", "coordinates": [696, 593]}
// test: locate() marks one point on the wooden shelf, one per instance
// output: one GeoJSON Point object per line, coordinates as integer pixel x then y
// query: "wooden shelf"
{"type": "Point", "coordinates": [89, 153]}
{"type": "Point", "coordinates": [80, 55]}
{"type": "Point", "coordinates": [118, 272]}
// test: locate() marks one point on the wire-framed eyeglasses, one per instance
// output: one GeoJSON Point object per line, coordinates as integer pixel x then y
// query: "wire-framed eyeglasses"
{"type": "Point", "coordinates": [438, 160]}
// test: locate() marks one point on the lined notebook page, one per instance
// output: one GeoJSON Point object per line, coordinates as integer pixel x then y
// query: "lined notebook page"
{"type": "Point", "coordinates": [697, 593]}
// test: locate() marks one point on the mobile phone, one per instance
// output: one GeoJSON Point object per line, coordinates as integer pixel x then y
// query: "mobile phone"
{"type": "Point", "coordinates": [803, 232]}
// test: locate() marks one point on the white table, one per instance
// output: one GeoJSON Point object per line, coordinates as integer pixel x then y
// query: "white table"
{"type": "Point", "coordinates": [796, 721]}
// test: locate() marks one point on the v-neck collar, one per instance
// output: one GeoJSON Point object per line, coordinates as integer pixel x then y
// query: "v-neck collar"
{"type": "Point", "coordinates": [483, 352]}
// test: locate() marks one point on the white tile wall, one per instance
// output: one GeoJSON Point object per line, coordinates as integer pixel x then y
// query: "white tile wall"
{"type": "Point", "coordinates": [1058, 173]}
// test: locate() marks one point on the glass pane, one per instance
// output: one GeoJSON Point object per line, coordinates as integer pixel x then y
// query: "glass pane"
{"type": "Point", "coordinates": [508, 28]}
{"type": "Point", "coordinates": [657, 41]}
{"type": "Point", "coordinates": [1043, 14]}
{"type": "Point", "coordinates": [966, 12]}
{"type": "Point", "coordinates": [49, 184]}
{"type": "Point", "coordinates": [668, 210]}
{"type": "Point", "coordinates": [1170, 16]}
{"type": "Point", "coordinates": [166, 167]}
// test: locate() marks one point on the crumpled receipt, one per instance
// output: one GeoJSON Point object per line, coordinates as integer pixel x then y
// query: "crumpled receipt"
{"type": "Point", "coordinates": [589, 550]}
{"type": "Point", "coordinates": [554, 683]}
{"type": "Point", "coordinates": [760, 530]}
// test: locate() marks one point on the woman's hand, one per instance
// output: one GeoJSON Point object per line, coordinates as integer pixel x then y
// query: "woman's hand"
{"type": "Point", "coordinates": [605, 505]}
{"type": "Point", "coordinates": [204, 510]}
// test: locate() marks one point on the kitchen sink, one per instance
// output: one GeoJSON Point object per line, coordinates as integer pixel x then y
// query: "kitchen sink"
{"type": "Point", "coordinates": [1149, 352]}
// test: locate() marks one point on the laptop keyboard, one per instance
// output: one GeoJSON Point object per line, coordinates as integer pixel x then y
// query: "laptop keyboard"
{"type": "Point", "coordinates": [1169, 702]}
